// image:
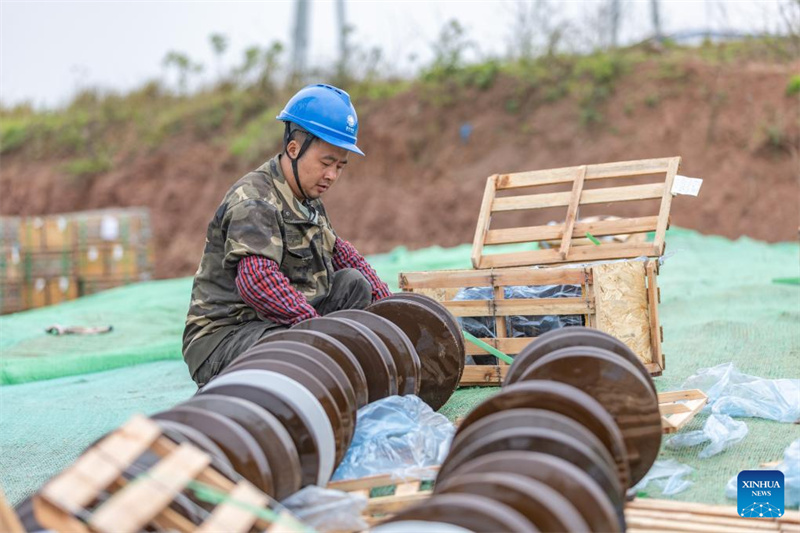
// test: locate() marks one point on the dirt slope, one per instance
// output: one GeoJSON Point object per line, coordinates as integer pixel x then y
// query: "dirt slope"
{"type": "Point", "coordinates": [420, 184]}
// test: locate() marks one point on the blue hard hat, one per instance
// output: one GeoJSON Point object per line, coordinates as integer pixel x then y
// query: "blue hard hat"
{"type": "Point", "coordinates": [325, 112]}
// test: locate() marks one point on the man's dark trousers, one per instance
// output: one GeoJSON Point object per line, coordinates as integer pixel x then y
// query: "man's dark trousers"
{"type": "Point", "coordinates": [349, 290]}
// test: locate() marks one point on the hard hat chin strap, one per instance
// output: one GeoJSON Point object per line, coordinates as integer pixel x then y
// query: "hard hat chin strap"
{"type": "Point", "coordinates": [287, 138]}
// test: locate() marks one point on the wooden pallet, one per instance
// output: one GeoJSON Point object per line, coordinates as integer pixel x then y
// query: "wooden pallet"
{"type": "Point", "coordinates": [582, 182]}
{"type": "Point", "coordinates": [619, 298]}
{"type": "Point", "coordinates": [642, 515]}
{"type": "Point", "coordinates": [69, 501]}
{"type": "Point", "coordinates": [679, 407]}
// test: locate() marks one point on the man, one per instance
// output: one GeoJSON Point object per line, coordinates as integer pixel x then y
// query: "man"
{"type": "Point", "coordinates": [271, 257]}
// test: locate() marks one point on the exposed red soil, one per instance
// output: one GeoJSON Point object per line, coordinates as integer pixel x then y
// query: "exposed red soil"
{"type": "Point", "coordinates": [421, 185]}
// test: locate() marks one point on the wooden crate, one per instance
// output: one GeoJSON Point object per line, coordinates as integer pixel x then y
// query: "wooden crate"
{"type": "Point", "coordinates": [582, 181]}
{"type": "Point", "coordinates": [12, 297]}
{"type": "Point", "coordinates": [641, 515]}
{"type": "Point", "coordinates": [126, 226]}
{"type": "Point", "coordinates": [618, 276]}
{"type": "Point", "coordinates": [69, 501]}
{"type": "Point", "coordinates": [12, 264]}
{"type": "Point", "coordinates": [619, 298]}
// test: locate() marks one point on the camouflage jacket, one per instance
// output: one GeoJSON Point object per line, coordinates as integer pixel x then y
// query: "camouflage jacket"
{"type": "Point", "coordinates": [258, 216]}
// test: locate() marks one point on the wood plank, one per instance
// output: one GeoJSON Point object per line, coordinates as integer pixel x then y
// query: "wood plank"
{"type": "Point", "coordinates": [404, 489]}
{"type": "Point", "coordinates": [98, 467]}
{"type": "Point", "coordinates": [669, 517]}
{"type": "Point", "coordinates": [654, 369]}
{"type": "Point", "coordinates": [620, 169]}
{"type": "Point", "coordinates": [666, 204]}
{"type": "Point", "coordinates": [678, 395]}
{"type": "Point", "coordinates": [483, 375]}
{"type": "Point", "coordinates": [53, 518]}
{"type": "Point", "coordinates": [381, 480]}
{"type": "Point", "coordinates": [673, 408]}
{"type": "Point", "coordinates": [636, 522]}
{"type": "Point", "coordinates": [674, 423]}
{"type": "Point", "coordinates": [612, 250]}
{"type": "Point", "coordinates": [486, 278]}
{"type": "Point", "coordinates": [231, 517]}
{"type": "Point", "coordinates": [652, 311]}
{"type": "Point", "coordinates": [484, 219]}
{"type": "Point", "coordinates": [9, 521]}
{"type": "Point", "coordinates": [523, 307]}
{"type": "Point", "coordinates": [500, 320]}
{"type": "Point", "coordinates": [393, 504]}
{"type": "Point", "coordinates": [705, 509]}
{"type": "Point", "coordinates": [572, 212]}
{"type": "Point", "coordinates": [130, 509]}
{"type": "Point", "coordinates": [626, 193]}
{"type": "Point", "coordinates": [507, 345]}
{"type": "Point", "coordinates": [600, 228]}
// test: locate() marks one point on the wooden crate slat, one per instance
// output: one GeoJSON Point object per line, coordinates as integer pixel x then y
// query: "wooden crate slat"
{"type": "Point", "coordinates": [487, 278]}
{"type": "Point", "coordinates": [9, 521]}
{"type": "Point", "coordinates": [570, 238]}
{"type": "Point", "coordinates": [499, 318]}
{"type": "Point", "coordinates": [53, 518]}
{"type": "Point", "coordinates": [666, 204]}
{"type": "Point", "coordinates": [611, 250]}
{"type": "Point", "coordinates": [622, 169]}
{"type": "Point", "coordinates": [625, 193]}
{"type": "Point", "coordinates": [139, 502]}
{"type": "Point", "coordinates": [572, 212]}
{"type": "Point", "coordinates": [521, 307]}
{"type": "Point", "coordinates": [484, 218]}
{"type": "Point", "coordinates": [652, 311]}
{"type": "Point", "coordinates": [599, 228]}
{"type": "Point", "coordinates": [231, 518]}
{"type": "Point", "coordinates": [483, 375]}
{"type": "Point", "coordinates": [95, 470]}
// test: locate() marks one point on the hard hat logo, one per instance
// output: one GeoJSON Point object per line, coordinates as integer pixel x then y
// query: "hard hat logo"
{"type": "Point", "coordinates": [326, 113]}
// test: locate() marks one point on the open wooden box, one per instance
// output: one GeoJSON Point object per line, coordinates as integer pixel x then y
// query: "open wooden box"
{"type": "Point", "coordinates": [617, 278]}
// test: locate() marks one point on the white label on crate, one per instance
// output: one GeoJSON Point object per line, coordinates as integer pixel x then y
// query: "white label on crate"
{"type": "Point", "coordinates": [15, 255]}
{"type": "Point", "coordinates": [92, 253]}
{"type": "Point", "coordinates": [63, 284]}
{"type": "Point", "coordinates": [39, 284]}
{"type": "Point", "coordinates": [686, 185]}
{"type": "Point", "coordinates": [62, 224]}
{"type": "Point", "coordinates": [38, 222]}
{"type": "Point", "coordinates": [117, 252]}
{"type": "Point", "coordinates": [109, 228]}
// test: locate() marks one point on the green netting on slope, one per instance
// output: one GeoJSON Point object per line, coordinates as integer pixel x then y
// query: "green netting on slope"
{"type": "Point", "coordinates": [719, 305]}
{"type": "Point", "coordinates": [47, 424]}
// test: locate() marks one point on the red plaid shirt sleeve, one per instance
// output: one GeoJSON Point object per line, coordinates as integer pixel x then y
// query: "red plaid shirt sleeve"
{"type": "Point", "coordinates": [264, 288]}
{"type": "Point", "coordinates": [345, 255]}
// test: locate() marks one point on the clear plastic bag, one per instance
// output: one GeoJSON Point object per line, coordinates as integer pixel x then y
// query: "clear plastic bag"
{"type": "Point", "coordinates": [720, 431]}
{"type": "Point", "coordinates": [398, 435]}
{"type": "Point", "coordinates": [733, 393]}
{"type": "Point", "coordinates": [791, 477]}
{"type": "Point", "coordinates": [518, 326]}
{"type": "Point", "coordinates": [667, 475]}
{"type": "Point", "coordinates": [327, 509]}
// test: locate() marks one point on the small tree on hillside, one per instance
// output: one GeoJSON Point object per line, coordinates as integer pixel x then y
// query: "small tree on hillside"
{"type": "Point", "coordinates": [219, 44]}
{"type": "Point", "coordinates": [184, 68]}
